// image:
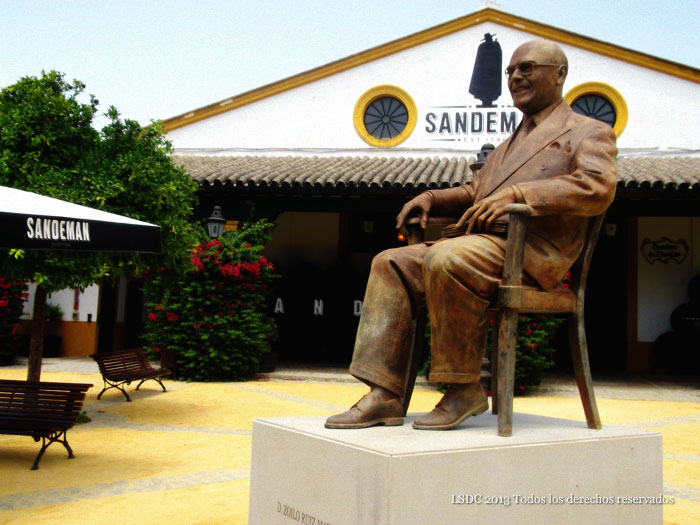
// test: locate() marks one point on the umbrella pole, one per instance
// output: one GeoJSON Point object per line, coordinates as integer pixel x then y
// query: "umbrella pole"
{"type": "Point", "coordinates": [36, 342]}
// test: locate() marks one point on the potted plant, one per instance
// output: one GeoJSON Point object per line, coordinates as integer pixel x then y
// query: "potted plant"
{"type": "Point", "coordinates": [52, 342]}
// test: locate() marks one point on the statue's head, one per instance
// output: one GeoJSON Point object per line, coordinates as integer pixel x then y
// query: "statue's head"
{"type": "Point", "coordinates": [536, 75]}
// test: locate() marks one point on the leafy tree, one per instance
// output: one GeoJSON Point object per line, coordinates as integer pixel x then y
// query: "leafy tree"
{"type": "Point", "coordinates": [48, 145]}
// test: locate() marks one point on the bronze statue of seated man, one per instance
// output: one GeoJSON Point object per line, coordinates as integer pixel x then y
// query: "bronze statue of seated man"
{"type": "Point", "coordinates": [558, 162]}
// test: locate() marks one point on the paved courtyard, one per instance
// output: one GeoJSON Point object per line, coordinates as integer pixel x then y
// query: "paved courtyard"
{"type": "Point", "coordinates": [183, 456]}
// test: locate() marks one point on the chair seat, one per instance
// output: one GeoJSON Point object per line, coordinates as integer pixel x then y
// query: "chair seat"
{"type": "Point", "coordinates": [531, 299]}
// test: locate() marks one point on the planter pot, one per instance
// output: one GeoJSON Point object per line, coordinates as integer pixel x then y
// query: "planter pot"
{"type": "Point", "coordinates": [52, 345]}
{"type": "Point", "coordinates": [167, 358]}
{"type": "Point", "coordinates": [9, 348]}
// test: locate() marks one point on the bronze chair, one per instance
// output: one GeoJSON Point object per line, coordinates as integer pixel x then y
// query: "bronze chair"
{"type": "Point", "coordinates": [513, 297]}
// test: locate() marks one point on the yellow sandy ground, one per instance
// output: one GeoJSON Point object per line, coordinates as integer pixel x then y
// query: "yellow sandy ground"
{"type": "Point", "coordinates": [184, 456]}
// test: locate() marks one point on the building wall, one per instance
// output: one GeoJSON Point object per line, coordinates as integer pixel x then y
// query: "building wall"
{"type": "Point", "coordinates": [319, 115]}
{"type": "Point", "coordinates": [65, 299]}
{"type": "Point", "coordinates": [78, 339]}
{"type": "Point", "coordinates": [317, 119]}
{"type": "Point", "coordinates": [78, 334]}
{"type": "Point", "coordinates": [302, 237]}
{"type": "Point", "coordinates": [664, 270]}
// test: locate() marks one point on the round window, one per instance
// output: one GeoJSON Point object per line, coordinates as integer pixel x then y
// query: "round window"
{"type": "Point", "coordinates": [601, 102]}
{"type": "Point", "coordinates": [597, 107]}
{"type": "Point", "coordinates": [385, 116]}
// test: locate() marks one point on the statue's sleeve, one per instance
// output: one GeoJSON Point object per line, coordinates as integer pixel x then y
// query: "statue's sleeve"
{"type": "Point", "coordinates": [586, 185]}
{"type": "Point", "coordinates": [451, 202]}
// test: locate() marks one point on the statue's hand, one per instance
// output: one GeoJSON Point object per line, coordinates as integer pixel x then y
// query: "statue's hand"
{"type": "Point", "coordinates": [487, 211]}
{"type": "Point", "coordinates": [419, 205]}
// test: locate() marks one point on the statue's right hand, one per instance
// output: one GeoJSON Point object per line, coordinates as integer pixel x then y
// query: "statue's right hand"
{"type": "Point", "coordinates": [419, 205]}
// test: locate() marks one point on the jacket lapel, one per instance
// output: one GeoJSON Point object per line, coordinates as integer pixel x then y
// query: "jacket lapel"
{"type": "Point", "coordinates": [491, 168]}
{"type": "Point", "coordinates": [549, 130]}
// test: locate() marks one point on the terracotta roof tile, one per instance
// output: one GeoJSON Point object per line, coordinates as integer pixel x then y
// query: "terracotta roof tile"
{"type": "Point", "coordinates": [669, 173]}
{"type": "Point", "coordinates": [403, 174]}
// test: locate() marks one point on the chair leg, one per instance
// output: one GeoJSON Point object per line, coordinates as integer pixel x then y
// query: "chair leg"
{"type": "Point", "coordinates": [494, 362]}
{"type": "Point", "coordinates": [507, 333]}
{"type": "Point", "coordinates": [582, 369]}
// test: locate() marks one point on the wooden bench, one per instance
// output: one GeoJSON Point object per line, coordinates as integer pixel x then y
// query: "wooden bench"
{"type": "Point", "coordinates": [41, 410]}
{"type": "Point", "coordinates": [124, 366]}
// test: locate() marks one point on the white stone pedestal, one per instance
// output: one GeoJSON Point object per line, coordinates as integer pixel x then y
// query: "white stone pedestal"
{"type": "Point", "coordinates": [304, 473]}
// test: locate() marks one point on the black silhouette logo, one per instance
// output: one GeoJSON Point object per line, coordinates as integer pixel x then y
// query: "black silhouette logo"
{"type": "Point", "coordinates": [487, 74]}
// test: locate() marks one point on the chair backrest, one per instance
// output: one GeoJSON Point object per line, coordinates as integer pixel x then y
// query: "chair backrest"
{"type": "Point", "coordinates": [579, 270]}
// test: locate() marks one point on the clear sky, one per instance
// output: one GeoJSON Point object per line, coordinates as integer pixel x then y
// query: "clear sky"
{"type": "Point", "coordinates": [155, 59]}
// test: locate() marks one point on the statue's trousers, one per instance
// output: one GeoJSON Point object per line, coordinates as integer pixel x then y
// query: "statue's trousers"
{"type": "Point", "coordinates": [454, 279]}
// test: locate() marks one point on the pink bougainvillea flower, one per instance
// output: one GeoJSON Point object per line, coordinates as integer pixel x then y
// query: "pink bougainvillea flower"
{"type": "Point", "coordinates": [197, 263]}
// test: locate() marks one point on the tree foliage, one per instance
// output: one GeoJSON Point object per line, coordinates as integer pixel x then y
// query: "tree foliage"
{"type": "Point", "coordinates": [48, 145]}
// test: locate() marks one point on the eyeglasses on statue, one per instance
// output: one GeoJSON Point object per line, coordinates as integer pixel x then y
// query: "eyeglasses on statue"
{"type": "Point", "coordinates": [526, 68]}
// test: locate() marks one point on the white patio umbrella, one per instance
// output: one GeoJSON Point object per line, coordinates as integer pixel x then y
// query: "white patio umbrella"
{"type": "Point", "coordinates": [36, 222]}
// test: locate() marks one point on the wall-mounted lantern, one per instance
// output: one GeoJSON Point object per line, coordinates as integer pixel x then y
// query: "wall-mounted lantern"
{"type": "Point", "coordinates": [367, 226]}
{"type": "Point", "coordinates": [216, 223]}
{"type": "Point", "coordinates": [610, 229]}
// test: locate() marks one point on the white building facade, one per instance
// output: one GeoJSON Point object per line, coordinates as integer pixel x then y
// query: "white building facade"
{"type": "Point", "coordinates": [442, 95]}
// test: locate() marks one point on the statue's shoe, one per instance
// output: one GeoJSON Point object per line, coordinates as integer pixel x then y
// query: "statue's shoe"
{"type": "Point", "coordinates": [368, 412]}
{"type": "Point", "coordinates": [460, 402]}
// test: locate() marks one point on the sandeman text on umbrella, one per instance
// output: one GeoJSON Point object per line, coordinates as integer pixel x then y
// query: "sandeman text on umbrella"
{"type": "Point", "coordinates": [58, 229]}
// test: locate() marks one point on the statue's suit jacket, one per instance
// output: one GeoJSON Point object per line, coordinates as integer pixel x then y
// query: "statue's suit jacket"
{"type": "Point", "coordinates": [565, 170]}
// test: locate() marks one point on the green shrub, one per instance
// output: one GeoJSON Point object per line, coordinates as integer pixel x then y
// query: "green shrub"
{"type": "Point", "coordinates": [214, 319]}
{"type": "Point", "coordinates": [534, 349]}
{"type": "Point", "coordinates": [12, 297]}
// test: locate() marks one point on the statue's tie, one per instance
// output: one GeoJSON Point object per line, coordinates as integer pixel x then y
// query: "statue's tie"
{"type": "Point", "coordinates": [525, 128]}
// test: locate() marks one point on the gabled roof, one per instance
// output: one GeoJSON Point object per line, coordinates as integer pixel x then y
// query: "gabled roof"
{"type": "Point", "coordinates": [427, 35]}
{"type": "Point", "coordinates": [675, 176]}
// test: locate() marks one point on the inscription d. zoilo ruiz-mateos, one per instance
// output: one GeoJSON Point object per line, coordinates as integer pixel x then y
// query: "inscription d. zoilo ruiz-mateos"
{"type": "Point", "coordinates": [665, 250]}
{"type": "Point", "coordinates": [299, 516]}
